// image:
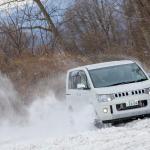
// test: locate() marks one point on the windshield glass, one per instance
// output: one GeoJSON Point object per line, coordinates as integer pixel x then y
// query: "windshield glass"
{"type": "Point", "coordinates": [116, 75]}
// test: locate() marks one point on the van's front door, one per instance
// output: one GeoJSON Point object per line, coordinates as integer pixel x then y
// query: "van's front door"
{"type": "Point", "coordinates": [78, 91]}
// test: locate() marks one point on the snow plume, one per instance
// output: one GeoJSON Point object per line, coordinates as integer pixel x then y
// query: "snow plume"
{"type": "Point", "coordinates": [47, 116]}
{"type": "Point", "coordinates": [11, 107]}
{"type": "Point", "coordinates": [52, 118]}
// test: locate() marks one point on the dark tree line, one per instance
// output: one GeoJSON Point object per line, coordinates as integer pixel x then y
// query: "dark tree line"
{"type": "Point", "coordinates": [88, 27]}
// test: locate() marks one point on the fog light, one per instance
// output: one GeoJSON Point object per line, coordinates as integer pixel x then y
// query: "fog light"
{"type": "Point", "coordinates": [105, 110]}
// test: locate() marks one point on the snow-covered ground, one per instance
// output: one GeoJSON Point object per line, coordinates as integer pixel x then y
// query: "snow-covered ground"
{"type": "Point", "coordinates": [51, 128]}
{"type": "Point", "coordinates": [135, 135]}
{"type": "Point", "coordinates": [47, 125]}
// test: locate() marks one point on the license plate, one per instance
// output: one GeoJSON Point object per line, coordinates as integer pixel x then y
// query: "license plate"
{"type": "Point", "coordinates": [131, 103]}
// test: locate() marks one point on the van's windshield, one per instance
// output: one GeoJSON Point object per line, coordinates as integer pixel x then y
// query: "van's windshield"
{"type": "Point", "coordinates": [117, 75]}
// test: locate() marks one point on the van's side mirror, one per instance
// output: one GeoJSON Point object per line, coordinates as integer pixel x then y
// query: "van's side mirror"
{"type": "Point", "coordinates": [81, 86]}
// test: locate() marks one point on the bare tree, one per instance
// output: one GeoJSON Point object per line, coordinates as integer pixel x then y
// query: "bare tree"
{"type": "Point", "coordinates": [43, 15]}
{"type": "Point", "coordinates": [137, 16]}
{"type": "Point", "coordinates": [15, 40]}
{"type": "Point", "coordinates": [92, 25]}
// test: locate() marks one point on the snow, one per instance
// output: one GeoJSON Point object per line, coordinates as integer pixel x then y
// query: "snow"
{"type": "Point", "coordinates": [132, 136]}
{"type": "Point", "coordinates": [47, 125]}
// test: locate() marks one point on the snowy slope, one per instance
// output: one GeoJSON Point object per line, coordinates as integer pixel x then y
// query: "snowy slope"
{"type": "Point", "coordinates": [135, 135]}
{"type": "Point", "coordinates": [46, 124]}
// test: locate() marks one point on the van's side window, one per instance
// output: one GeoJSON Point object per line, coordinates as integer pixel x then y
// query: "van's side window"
{"type": "Point", "coordinates": [72, 80]}
{"type": "Point", "coordinates": [77, 77]}
{"type": "Point", "coordinates": [83, 79]}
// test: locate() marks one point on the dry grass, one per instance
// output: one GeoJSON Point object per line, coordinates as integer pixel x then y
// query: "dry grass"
{"type": "Point", "coordinates": [29, 72]}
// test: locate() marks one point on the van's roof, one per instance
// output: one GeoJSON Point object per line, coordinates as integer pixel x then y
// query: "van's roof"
{"type": "Point", "coordinates": [104, 64]}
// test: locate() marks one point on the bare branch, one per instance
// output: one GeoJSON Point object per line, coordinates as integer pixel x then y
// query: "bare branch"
{"type": "Point", "coordinates": [36, 27]}
{"type": "Point", "coordinates": [10, 2]}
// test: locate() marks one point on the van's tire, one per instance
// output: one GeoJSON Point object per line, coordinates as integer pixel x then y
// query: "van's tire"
{"type": "Point", "coordinates": [99, 124]}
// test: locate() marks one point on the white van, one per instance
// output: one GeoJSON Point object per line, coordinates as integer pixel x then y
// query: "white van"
{"type": "Point", "coordinates": [118, 90]}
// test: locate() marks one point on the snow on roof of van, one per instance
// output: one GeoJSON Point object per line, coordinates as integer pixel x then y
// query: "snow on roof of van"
{"type": "Point", "coordinates": [104, 64]}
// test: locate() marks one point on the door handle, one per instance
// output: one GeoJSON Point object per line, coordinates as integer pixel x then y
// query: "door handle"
{"type": "Point", "coordinates": [68, 94]}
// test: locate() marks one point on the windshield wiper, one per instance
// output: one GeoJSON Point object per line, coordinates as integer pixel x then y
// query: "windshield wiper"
{"type": "Point", "coordinates": [128, 82]}
{"type": "Point", "coordinates": [141, 80]}
{"type": "Point", "coordinates": [118, 83]}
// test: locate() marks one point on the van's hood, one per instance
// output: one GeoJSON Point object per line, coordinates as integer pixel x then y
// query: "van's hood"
{"type": "Point", "coordinates": [123, 88]}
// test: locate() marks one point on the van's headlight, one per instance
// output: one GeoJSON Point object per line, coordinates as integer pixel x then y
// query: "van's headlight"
{"type": "Point", "coordinates": [105, 98]}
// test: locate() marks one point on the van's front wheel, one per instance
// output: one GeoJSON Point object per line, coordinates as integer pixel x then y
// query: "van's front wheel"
{"type": "Point", "coordinates": [99, 124]}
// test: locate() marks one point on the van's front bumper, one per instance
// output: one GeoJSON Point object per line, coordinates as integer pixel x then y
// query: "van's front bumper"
{"type": "Point", "coordinates": [126, 119]}
{"type": "Point", "coordinates": [115, 115]}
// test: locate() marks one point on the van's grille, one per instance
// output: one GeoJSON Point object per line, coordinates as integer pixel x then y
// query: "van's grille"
{"type": "Point", "coordinates": [129, 93]}
{"type": "Point", "coordinates": [123, 106]}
